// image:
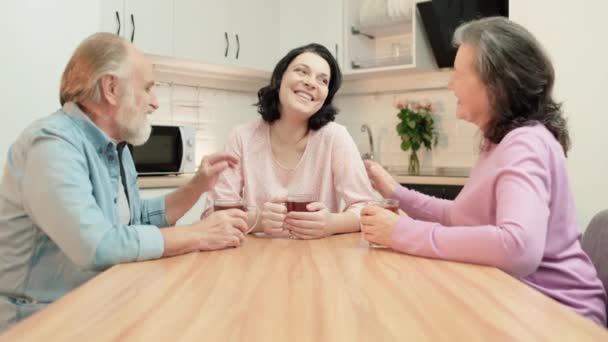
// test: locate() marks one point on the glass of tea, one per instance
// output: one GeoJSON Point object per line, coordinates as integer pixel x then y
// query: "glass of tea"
{"type": "Point", "coordinates": [253, 215]}
{"type": "Point", "coordinates": [298, 202]}
{"type": "Point", "coordinates": [386, 203]}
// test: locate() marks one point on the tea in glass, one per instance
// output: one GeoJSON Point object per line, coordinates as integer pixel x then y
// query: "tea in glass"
{"type": "Point", "coordinates": [298, 202]}
{"type": "Point", "coordinates": [225, 204]}
{"type": "Point", "coordinates": [253, 215]}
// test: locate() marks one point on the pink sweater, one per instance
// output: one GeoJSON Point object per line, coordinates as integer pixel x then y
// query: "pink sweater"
{"type": "Point", "coordinates": [330, 169]}
{"type": "Point", "coordinates": [516, 212]}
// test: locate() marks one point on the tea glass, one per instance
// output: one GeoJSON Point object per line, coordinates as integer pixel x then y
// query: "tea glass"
{"type": "Point", "coordinates": [298, 202]}
{"type": "Point", "coordinates": [385, 203]}
{"type": "Point", "coordinates": [252, 212]}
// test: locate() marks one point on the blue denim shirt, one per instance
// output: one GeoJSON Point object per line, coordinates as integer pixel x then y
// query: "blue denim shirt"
{"type": "Point", "coordinates": [59, 221]}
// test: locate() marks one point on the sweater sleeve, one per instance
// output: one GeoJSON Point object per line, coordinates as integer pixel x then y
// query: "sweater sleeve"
{"type": "Point", "coordinates": [423, 207]}
{"type": "Point", "coordinates": [515, 243]}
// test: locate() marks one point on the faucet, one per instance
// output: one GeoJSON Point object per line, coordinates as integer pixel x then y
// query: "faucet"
{"type": "Point", "coordinates": [370, 155]}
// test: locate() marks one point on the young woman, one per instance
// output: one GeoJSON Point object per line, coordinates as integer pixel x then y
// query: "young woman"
{"type": "Point", "coordinates": [295, 148]}
{"type": "Point", "coordinates": [516, 211]}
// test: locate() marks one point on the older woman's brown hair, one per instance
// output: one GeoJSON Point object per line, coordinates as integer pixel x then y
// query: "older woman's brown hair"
{"type": "Point", "coordinates": [519, 77]}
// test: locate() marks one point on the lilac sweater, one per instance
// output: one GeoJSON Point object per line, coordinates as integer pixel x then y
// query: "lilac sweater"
{"type": "Point", "coordinates": [516, 212]}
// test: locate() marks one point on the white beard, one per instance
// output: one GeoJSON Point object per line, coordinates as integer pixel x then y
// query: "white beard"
{"type": "Point", "coordinates": [133, 124]}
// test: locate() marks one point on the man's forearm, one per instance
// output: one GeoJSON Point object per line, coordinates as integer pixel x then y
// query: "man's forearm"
{"type": "Point", "coordinates": [179, 240]}
{"type": "Point", "coordinates": [181, 200]}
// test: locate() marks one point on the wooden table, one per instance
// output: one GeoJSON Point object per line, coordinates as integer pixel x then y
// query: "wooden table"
{"type": "Point", "coordinates": [334, 289]}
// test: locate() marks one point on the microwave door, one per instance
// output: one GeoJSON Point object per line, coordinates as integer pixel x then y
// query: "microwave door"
{"type": "Point", "coordinates": [161, 154]}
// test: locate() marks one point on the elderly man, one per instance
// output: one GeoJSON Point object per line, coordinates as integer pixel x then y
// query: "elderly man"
{"type": "Point", "coordinates": [69, 203]}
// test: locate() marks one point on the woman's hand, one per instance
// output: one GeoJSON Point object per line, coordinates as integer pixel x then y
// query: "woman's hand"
{"type": "Point", "coordinates": [314, 224]}
{"type": "Point", "coordinates": [381, 180]}
{"type": "Point", "coordinates": [273, 217]}
{"type": "Point", "coordinates": [211, 167]}
{"type": "Point", "coordinates": [377, 225]}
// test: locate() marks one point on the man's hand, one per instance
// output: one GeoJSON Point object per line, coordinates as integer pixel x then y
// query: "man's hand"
{"type": "Point", "coordinates": [221, 229]}
{"type": "Point", "coordinates": [210, 168]}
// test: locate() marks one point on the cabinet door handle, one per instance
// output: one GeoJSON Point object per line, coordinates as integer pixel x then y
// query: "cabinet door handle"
{"type": "Point", "coordinates": [238, 46]}
{"type": "Point", "coordinates": [336, 52]}
{"type": "Point", "coordinates": [227, 44]}
{"type": "Point", "coordinates": [118, 21]}
{"type": "Point", "coordinates": [133, 31]}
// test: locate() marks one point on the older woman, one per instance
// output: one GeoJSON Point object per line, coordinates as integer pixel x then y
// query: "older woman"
{"type": "Point", "coordinates": [516, 211]}
{"type": "Point", "coordinates": [296, 148]}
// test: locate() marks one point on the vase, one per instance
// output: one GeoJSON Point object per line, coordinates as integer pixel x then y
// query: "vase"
{"type": "Point", "coordinates": [414, 165]}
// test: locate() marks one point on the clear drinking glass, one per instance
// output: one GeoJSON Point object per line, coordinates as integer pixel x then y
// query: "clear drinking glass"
{"type": "Point", "coordinates": [298, 202]}
{"type": "Point", "coordinates": [253, 215]}
{"type": "Point", "coordinates": [385, 203]}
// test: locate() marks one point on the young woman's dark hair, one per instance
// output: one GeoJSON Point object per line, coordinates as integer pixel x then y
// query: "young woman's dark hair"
{"type": "Point", "coordinates": [268, 96]}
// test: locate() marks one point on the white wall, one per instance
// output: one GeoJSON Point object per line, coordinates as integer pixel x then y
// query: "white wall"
{"type": "Point", "coordinates": [212, 112]}
{"type": "Point", "coordinates": [575, 34]}
{"type": "Point", "coordinates": [37, 37]}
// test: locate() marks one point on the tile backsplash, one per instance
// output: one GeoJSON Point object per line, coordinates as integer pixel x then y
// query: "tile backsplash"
{"type": "Point", "coordinates": [214, 112]}
{"type": "Point", "coordinates": [458, 140]}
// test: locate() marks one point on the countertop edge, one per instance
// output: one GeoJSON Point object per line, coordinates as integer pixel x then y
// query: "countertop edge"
{"type": "Point", "coordinates": [173, 181]}
{"type": "Point", "coordinates": [431, 180]}
{"type": "Point", "coordinates": [169, 181]}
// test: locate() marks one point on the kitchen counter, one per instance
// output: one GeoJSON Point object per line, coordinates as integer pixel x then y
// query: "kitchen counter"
{"type": "Point", "coordinates": [432, 176]}
{"type": "Point", "coordinates": [168, 181]}
{"type": "Point", "coordinates": [429, 180]}
{"type": "Point", "coordinates": [437, 176]}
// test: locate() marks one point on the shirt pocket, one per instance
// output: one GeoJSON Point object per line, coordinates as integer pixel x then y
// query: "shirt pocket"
{"type": "Point", "coordinates": [24, 306]}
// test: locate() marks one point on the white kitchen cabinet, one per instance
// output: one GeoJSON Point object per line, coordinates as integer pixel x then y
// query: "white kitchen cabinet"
{"type": "Point", "coordinates": [312, 21]}
{"type": "Point", "coordinates": [234, 32]}
{"type": "Point", "coordinates": [257, 25]}
{"type": "Point", "coordinates": [201, 30]}
{"type": "Point", "coordinates": [190, 216]}
{"type": "Point", "coordinates": [381, 37]}
{"type": "Point", "coordinates": [148, 24]}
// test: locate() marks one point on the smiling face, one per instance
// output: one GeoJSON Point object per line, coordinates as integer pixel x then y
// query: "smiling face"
{"type": "Point", "coordinates": [304, 86]}
{"type": "Point", "coordinates": [473, 101]}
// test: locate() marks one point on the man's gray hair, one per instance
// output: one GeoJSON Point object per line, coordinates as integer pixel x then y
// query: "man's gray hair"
{"type": "Point", "coordinates": [519, 77]}
{"type": "Point", "coordinates": [98, 55]}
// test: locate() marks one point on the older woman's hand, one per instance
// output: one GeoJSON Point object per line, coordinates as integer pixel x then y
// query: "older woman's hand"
{"type": "Point", "coordinates": [313, 224]}
{"type": "Point", "coordinates": [377, 224]}
{"type": "Point", "coordinates": [381, 180]}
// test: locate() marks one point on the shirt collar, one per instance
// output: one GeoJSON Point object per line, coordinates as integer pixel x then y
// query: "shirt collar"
{"type": "Point", "coordinates": [96, 136]}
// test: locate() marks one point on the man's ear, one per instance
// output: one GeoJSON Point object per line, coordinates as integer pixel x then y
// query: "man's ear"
{"type": "Point", "coordinates": [110, 89]}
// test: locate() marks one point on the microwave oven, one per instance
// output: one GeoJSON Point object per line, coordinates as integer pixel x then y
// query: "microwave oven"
{"type": "Point", "coordinates": [169, 150]}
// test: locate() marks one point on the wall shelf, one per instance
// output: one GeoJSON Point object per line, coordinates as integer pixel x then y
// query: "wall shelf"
{"type": "Point", "coordinates": [395, 44]}
{"type": "Point", "coordinates": [395, 28]}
